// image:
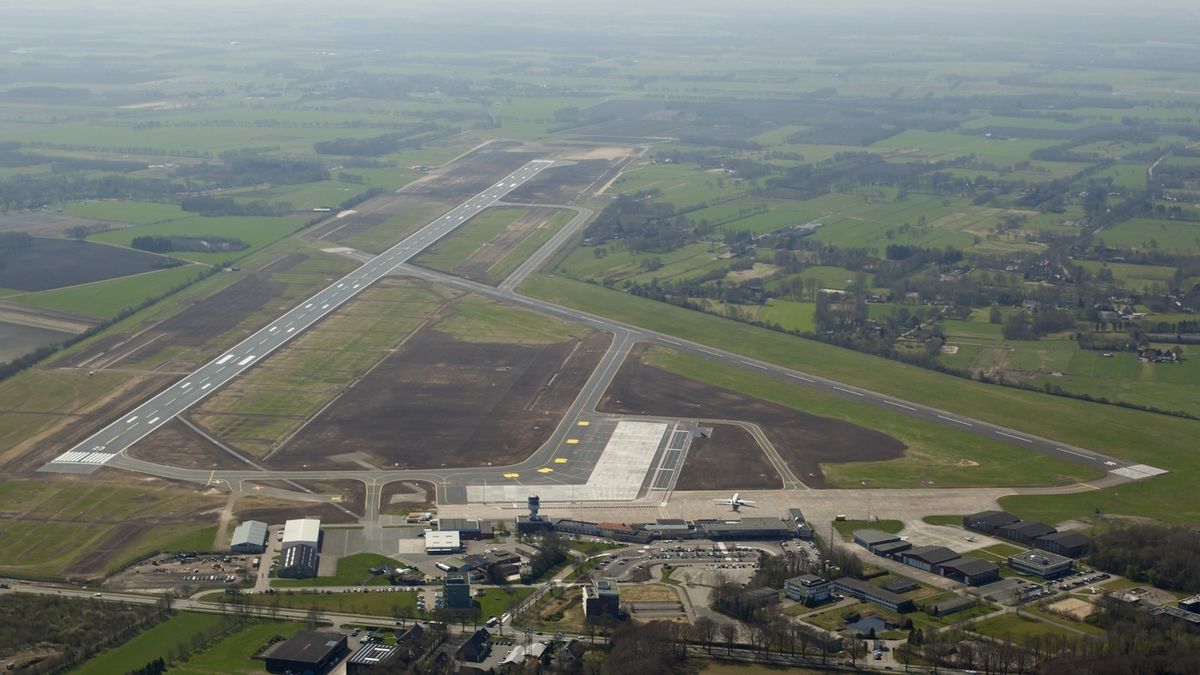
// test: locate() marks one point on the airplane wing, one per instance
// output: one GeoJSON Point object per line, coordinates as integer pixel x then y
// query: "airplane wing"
{"type": "Point", "coordinates": [723, 501]}
{"type": "Point", "coordinates": [746, 501]}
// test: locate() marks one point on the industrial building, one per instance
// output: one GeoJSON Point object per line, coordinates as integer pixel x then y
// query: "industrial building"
{"type": "Point", "coordinates": [1191, 604]}
{"type": "Point", "coordinates": [456, 589]}
{"type": "Point", "coordinates": [928, 558]}
{"type": "Point", "coordinates": [892, 549]}
{"type": "Point", "coordinates": [601, 598]}
{"type": "Point", "coordinates": [865, 591]}
{"type": "Point", "coordinates": [1030, 533]}
{"type": "Point", "coordinates": [1041, 563]}
{"type": "Point", "coordinates": [306, 652]}
{"type": "Point", "coordinates": [1069, 544]}
{"type": "Point", "coordinates": [970, 571]}
{"type": "Point", "coordinates": [442, 543]}
{"type": "Point", "coordinates": [807, 588]}
{"type": "Point", "coordinates": [989, 522]}
{"type": "Point", "coordinates": [306, 531]}
{"type": "Point", "coordinates": [299, 561]}
{"type": "Point", "coordinates": [249, 537]}
{"type": "Point", "coordinates": [373, 656]}
{"type": "Point", "coordinates": [869, 538]}
{"type": "Point", "coordinates": [900, 585]}
{"type": "Point", "coordinates": [1026, 531]}
{"type": "Point", "coordinates": [467, 528]}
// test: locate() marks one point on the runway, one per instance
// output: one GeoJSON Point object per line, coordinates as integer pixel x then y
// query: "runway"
{"type": "Point", "coordinates": [112, 440]}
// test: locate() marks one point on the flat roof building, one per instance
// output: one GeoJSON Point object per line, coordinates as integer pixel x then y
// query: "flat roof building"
{"type": "Point", "coordinates": [601, 597]}
{"type": "Point", "coordinates": [440, 543]}
{"type": "Point", "coordinates": [306, 652]}
{"type": "Point", "coordinates": [955, 604]}
{"type": "Point", "coordinates": [865, 591]}
{"type": "Point", "coordinates": [869, 538]}
{"type": "Point", "coordinates": [750, 528]}
{"type": "Point", "coordinates": [970, 571]}
{"type": "Point", "coordinates": [249, 537]}
{"type": "Point", "coordinates": [901, 585]}
{"type": "Point", "coordinates": [302, 531]}
{"type": "Point", "coordinates": [467, 528]}
{"type": "Point", "coordinates": [807, 588]}
{"type": "Point", "coordinates": [1191, 604]}
{"type": "Point", "coordinates": [1041, 563]}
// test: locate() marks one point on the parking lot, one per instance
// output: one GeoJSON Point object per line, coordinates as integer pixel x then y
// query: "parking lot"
{"type": "Point", "coordinates": [186, 571]}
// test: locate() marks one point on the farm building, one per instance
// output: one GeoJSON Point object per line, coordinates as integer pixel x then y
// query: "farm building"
{"type": "Point", "coordinates": [306, 652]}
{"type": "Point", "coordinates": [249, 537]}
{"type": "Point", "coordinates": [305, 531]}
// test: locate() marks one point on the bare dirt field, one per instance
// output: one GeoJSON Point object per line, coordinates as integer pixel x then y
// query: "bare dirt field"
{"type": "Point", "coordinates": [43, 223]}
{"type": "Point", "coordinates": [565, 183]}
{"type": "Point", "coordinates": [803, 440]}
{"type": "Point", "coordinates": [477, 265]}
{"type": "Point", "coordinates": [401, 497]}
{"type": "Point", "coordinates": [473, 173]}
{"type": "Point", "coordinates": [177, 444]}
{"type": "Point", "coordinates": [440, 402]}
{"type": "Point", "coordinates": [1073, 607]}
{"type": "Point", "coordinates": [350, 494]}
{"type": "Point", "coordinates": [17, 340]}
{"type": "Point", "coordinates": [730, 459]}
{"type": "Point", "coordinates": [276, 511]}
{"type": "Point", "coordinates": [54, 263]}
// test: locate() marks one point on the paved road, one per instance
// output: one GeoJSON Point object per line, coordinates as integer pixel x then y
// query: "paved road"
{"type": "Point", "coordinates": [113, 439]}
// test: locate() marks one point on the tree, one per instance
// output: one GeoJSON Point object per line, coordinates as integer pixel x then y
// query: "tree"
{"type": "Point", "coordinates": [729, 631]}
{"type": "Point", "coordinates": [705, 629]}
{"type": "Point", "coordinates": [857, 648]}
{"type": "Point", "coordinates": [994, 314]}
{"type": "Point", "coordinates": [78, 232]}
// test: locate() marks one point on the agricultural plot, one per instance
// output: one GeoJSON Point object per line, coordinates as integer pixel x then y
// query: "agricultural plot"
{"type": "Point", "coordinates": [105, 299]}
{"type": "Point", "coordinates": [1153, 234]}
{"type": "Point", "coordinates": [493, 243]}
{"type": "Point", "coordinates": [256, 231]}
{"type": "Point", "coordinates": [934, 146]}
{"type": "Point", "coordinates": [54, 263]}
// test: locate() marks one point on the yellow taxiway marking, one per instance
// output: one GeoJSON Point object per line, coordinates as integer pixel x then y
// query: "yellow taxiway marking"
{"type": "Point", "coordinates": [335, 498]}
{"type": "Point", "coordinates": [572, 441]}
{"type": "Point", "coordinates": [560, 460]}
{"type": "Point", "coordinates": [512, 475]}
{"type": "Point", "coordinates": [584, 423]}
{"type": "Point", "coordinates": [545, 469]}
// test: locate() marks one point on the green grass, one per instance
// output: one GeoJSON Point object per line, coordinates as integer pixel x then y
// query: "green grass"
{"type": "Point", "coordinates": [943, 520]}
{"type": "Point", "coordinates": [1018, 629]}
{"type": "Point", "coordinates": [1153, 234]}
{"type": "Point", "coordinates": [497, 601]}
{"type": "Point", "coordinates": [133, 213]}
{"type": "Point", "coordinates": [454, 249]}
{"type": "Point", "coordinates": [1158, 440]}
{"type": "Point", "coordinates": [104, 299]}
{"type": "Point", "coordinates": [158, 641]}
{"type": "Point", "coordinates": [389, 603]}
{"type": "Point", "coordinates": [474, 319]}
{"type": "Point", "coordinates": [529, 245]}
{"type": "Point", "coordinates": [353, 570]}
{"type": "Point", "coordinates": [257, 231]}
{"type": "Point", "coordinates": [233, 653]}
{"type": "Point", "coordinates": [847, 527]}
{"type": "Point", "coordinates": [933, 455]}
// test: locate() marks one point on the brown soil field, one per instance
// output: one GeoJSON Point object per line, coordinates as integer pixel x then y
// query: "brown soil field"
{"type": "Point", "coordinates": [439, 402]}
{"type": "Point", "coordinates": [176, 444]}
{"type": "Point", "coordinates": [476, 266]}
{"type": "Point", "coordinates": [195, 326]}
{"type": "Point", "coordinates": [565, 184]}
{"type": "Point", "coordinates": [802, 440]}
{"type": "Point", "coordinates": [54, 263]}
{"type": "Point", "coordinates": [274, 511]}
{"type": "Point", "coordinates": [401, 497]}
{"type": "Point", "coordinates": [730, 459]}
{"type": "Point", "coordinates": [375, 212]}
{"type": "Point", "coordinates": [351, 494]}
{"type": "Point", "coordinates": [97, 556]}
{"type": "Point", "coordinates": [473, 173]}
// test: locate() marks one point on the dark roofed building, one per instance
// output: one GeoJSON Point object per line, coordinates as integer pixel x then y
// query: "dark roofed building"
{"type": "Point", "coordinates": [467, 528]}
{"type": "Point", "coordinates": [892, 549]}
{"type": "Point", "coordinates": [476, 648]}
{"type": "Point", "coordinates": [970, 571]}
{"type": "Point", "coordinates": [1069, 544]}
{"type": "Point", "coordinates": [369, 657]}
{"type": "Point", "coordinates": [306, 652]}
{"type": "Point", "coordinates": [298, 561]}
{"type": "Point", "coordinates": [750, 528]}
{"type": "Point", "coordinates": [988, 522]}
{"type": "Point", "coordinates": [901, 585]}
{"type": "Point", "coordinates": [869, 538]}
{"type": "Point", "coordinates": [955, 604]}
{"type": "Point", "coordinates": [928, 558]}
{"type": "Point", "coordinates": [864, 591]}
{"type": "Point", "coordinates": [760, 597]}
{"type": "Point", "coordinates": [1025, 531]}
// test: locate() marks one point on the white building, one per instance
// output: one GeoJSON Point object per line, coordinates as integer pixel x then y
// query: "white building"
{"type": "Point", "coordinates": [302, 531]}
{"type": "Point", "coordinates": [440, 543]}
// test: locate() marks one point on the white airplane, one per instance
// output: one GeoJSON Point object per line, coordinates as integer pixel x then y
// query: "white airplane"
{"type": "Point", "coordinates": [735, 501]}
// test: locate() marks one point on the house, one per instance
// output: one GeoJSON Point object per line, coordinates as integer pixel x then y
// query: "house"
{"type": "Point", "coordinates": [807, 588]}
{"type": "Point", "coordinates": [869, 538]}
{"type": "Point", "coordinates": [1025, 531]}
{"type": "Point", "coordinates": [970, 571]}
{"type": "Point", "coordinates": [1069, 544]}
{"type": "Point", "coordinates": [865, 591]}
{"type": "Point", "coordinates": [928, 558]}
{"type": "Point", "coordinates": [476, 648]}
{"type": "Point", "coordinates": [306, 652]}
{"type": "Point", "coordinates": [989, 522]}
{"type": "Point", "coordinates": [1041, 563]}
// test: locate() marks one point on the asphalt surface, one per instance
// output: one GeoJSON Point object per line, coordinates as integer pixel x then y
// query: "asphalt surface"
{"type": "Point", "coordinates": [104, 445]}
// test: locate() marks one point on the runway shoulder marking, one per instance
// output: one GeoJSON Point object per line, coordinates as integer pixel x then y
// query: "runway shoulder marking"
{"type": "Point", "coordinates": [965, 424]}
{"type": "Point", "coordinates": [849, 391]}
{"type": "Point", "coordinates": [1008, 435]}
{"type": "Point", "coordinates": [899, 405]}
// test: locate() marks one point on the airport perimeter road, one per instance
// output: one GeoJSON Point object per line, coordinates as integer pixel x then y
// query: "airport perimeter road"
{"type": "Point", "coordinates": [113, 439]}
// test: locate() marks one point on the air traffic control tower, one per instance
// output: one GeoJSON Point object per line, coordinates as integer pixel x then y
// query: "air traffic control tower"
{"type": "Point", "coordinates": [533, 523]}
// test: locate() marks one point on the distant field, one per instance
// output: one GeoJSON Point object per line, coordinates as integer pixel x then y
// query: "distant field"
{"type": "Point", "coordinates": [104, 299]}
{"type": "Point", "coordinates": [161, 641]}
{"type": "Point", "coordinates": [255, 231]}
{"type": "Point", "coordinates": [54, 263]}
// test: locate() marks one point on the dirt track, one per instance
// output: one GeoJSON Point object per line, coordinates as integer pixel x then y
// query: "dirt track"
{"type": "Point", "coordinates": [803, 440]}
{"type": "Point", "coordinates": [438, 402]}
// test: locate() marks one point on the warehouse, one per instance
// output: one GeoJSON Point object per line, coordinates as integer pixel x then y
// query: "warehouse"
{"type": "Point", "coordinates": [893, 549]}
{"type": "Point", "coordinates": [1025, 531]}
{"type": "Point", "coordinates": [442, 543]}
{"type": "Point", "coordinates": [467, 528]}
{"type": "Point", "coordinates": [870, 539]}
{"type": "Point", "coordinates": [306, 652]}
{"type": "Point", "coordinates": [249, 537]}
{"type": "Point", "coordinates": [928, 558]}
{"type": "Point", "coordinates": [970, 571]}
{"type": "Point", "coordinates": [989, 522]}
{"type": "Point", "coordinates": [298, 561]}
{"type": "Point", "coordinates": [1070, 544]}
{"type": "Point", "coordinates": [305, 531]}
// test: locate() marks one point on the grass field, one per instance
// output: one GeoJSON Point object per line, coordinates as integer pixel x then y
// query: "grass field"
{"type": "Point", "coordinates": [352, 570]}
{"type": "Point", "coordinates": [160, 641]}
{"type": "Point", "coordinates": [256, 231]}
{"type": "Point", "coordinates": [1158, 440]}
{"type": "Point", "coordinates": [233, 653]}
{"type": "Point", "coordinates": [398, 603]}
{"type": "Point", "coordinates": [497, 601]}
{"type": "Point", "coordinates": [527, 246]}
{"type": "Point", "coordinates": [846, 528]}
{"type": "Point", "coordinates": [104, 299]}
{"type": "Point", "coordinates": [474, 319]}
{"type": "Point", "coordinates": [1018, 629]}
{"type": "Point", "coordinates": [453, 249]}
